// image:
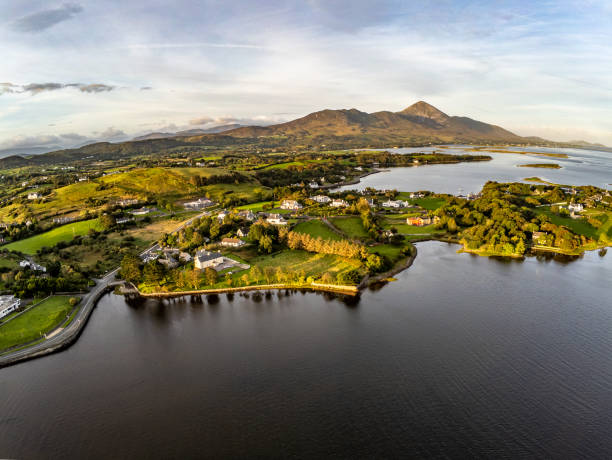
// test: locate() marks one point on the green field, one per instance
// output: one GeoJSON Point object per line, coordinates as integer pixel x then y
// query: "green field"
{"type": "Point", "coordinates": [352, 226]}
{"type": "Point", "coordinates": [392, 252]}
{"type": "Point", "coordinates": [579, 226]}
{"type": "Point", "coordinates": [52, 237]}
{"type": "Point", "coordinates": [316, 228]}
{"type": "Point", "coordinates": [312, 264]}
{"type": "Point", "coordinates": [403, 228]}
{"type": "Point", "coordinates": [429, 203]}
{"type": "Point", "coordinates": [43, 318]}
{"type": "Point", "coordinates": [8, 262]}
{"type": "Point", "coordinates": [257, 207]}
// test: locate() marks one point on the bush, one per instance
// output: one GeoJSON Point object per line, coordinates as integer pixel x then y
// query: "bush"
{"type": "Point", "coordinates": [74, 301]}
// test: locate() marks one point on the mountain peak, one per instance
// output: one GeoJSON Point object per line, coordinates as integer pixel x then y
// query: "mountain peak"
{"type": "Point", "coordinates": [425, 110]}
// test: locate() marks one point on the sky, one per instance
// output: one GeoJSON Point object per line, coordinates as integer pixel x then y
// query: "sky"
{"type": "Point", "coordinates": [75, 72]}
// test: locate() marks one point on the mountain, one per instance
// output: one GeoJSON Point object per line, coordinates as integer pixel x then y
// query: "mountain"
{"type": "Point", "coordinates": [419, 124]}
{"type": "Point", "coordinates": [27, 150]}
{"type": "Point", "coordinates": [189, 132]}
{"type": "Point", "coordinates": [419, 121]}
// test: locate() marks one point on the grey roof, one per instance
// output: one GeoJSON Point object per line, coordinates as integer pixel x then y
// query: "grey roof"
{"type": "Point", "coordinates": [204, 256]}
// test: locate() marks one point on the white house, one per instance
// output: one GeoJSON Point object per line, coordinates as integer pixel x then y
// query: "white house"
{"type": "Point", "coordinates": [575, 207]}
{"type": "Point", "coordinates": [123, 220]}
{"type": "Point", "coordinates": [339, 203]}
{"type": "Point", "coordinates": [232, 242]}
{"type": "Point", "coordinates": [276, 219]}
{"type": "Point", "coordinates": [205, 259]}
{"type": "Point", "coordinates": [394, 204]}
{"type": "Point", "coordinates": [63, 220]}
{"type": "Point", "coordinates": [200, 203]}
{"type": "Point", "coordinates": [127, 202]}
{"type": "Point", "coordinates": [141, 212]}
{"type": "Point", "coordinates": [8, 304]}
{"type": "Point", "coordinates": [32, 266]}
{"type": "Point", "coordinates": [34, 196]}
{"type": "Point", "coordinates": [416, 195]}
{"type": "Point", "coordinates": [313, 184]}
{"type": "Point", "coordinates": [321, 198]}
{"type": "Point", "coordinates": [222, 215]}
{"type": "Point", "coordinates": [242, 232]}
{"type": "Point", "coordinates": [291, 205]}
{"type": "Point", "coordinates": [247, 215]}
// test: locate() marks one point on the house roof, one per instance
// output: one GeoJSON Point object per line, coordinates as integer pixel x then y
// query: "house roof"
{"type": "Point", "coordinates": [204, 256]}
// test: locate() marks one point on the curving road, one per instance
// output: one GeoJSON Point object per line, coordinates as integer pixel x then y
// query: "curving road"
{"type": "Point", "coordinates": [71, 332]}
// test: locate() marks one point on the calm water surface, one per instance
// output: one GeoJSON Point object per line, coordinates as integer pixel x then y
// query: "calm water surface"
{"type": "Point", "coordinates": [582, 167]}
{"type": "Point", "coordinates": [462, 356]}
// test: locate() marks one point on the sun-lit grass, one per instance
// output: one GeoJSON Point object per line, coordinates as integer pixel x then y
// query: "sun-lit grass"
{"type": "Point", "coordinates": [352, 226]}
{"type": "Point", "coordinates": [41, 319]}
{"type": "Point", "coordinates": [52, 237]}
{"type": "Point", "coordinates": [316, 228]}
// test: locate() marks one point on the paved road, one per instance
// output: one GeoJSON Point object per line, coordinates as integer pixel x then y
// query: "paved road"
{"type": "Point", "coordinates": [70, 333]}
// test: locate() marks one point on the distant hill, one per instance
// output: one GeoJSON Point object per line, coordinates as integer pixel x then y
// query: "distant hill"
{"type": "Point", "coordinates": [420, 120]}
{"type": "Point", "coordinates": [189, 132]}
{"type": "Point", "coordinates": [419, 124]}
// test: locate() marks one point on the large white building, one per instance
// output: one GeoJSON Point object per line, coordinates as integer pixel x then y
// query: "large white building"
{"type": "Point", "coordinates": [276, 219]}
{"type": "Point", "coordinates": [205, 259]}
{"type": "Point", "coordinates": [395, 204]}
{"type": "Point", "coordinates": [339, 204]}
{"type": "Point", "coordinates": [200, 203]}
{"type": "Point", "coordinates": [321, 198]}
{"type": "Point", "coordinates": [292, 205]}
{"type": "Point", "coordinates": [8, 304]}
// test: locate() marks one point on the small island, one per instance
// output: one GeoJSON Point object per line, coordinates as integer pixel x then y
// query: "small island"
{"type": "Point", "coordinates": [541, 165]}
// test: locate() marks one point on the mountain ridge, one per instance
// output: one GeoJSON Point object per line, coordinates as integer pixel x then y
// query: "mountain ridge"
{"type": "Point", "coordinates": [418, 124]}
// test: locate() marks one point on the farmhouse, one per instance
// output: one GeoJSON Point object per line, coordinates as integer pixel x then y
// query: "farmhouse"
{"type": "Point", "coordinates": [242, 232]}
{"type": "Point", "coordinates": [205, 259]}
{"type": "Point", "coordinates": [200, 203]}
{"type": "Point", "coordinates": [276, 219]}
{"type": "Point", "coordinates": [419, 221]}
{"type": "Point", "coordinates": [394, 204]}
{"type": "Point", "coordinates": [575, 207]}
{"type": "Point", "coordinates": [292, 205]}
{"type": "Point", "coordinates": [63, 220]}
{"type": "Point", "coordinates": [232, 242]}
{"type": "Point", "coordinates": [8, 304]}
{"type": "Point", "coordinates": [32, 265]}
{"type": "Point", "coordinates": [339, 203]}
{"type": "Point", "coordinates": [313, 184]}
{"type": "Point", "coordinates": [127, 202]}
{"type": "Point", "coordinates": [247, 215]}
{"type": "Point", "coordinates": [34, 196]}
{"type": "Point", "coordinates": [141, 212]}
{"type": "Point", "coordinates": [321, 198]}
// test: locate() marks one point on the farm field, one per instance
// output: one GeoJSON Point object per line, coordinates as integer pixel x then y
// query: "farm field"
{"type": "Point", "coordinates": [580, 226]}
{"type": "Point", "coordinates": [52, 237]}
{"type": "Point", "coordinates": [312, 264]}
{"type": "Point", "coordinates": [352, 226]}
{"type": "Point", "coordinates": [390, 251]}
{"type": "Point", "coordinates": [316, 228]}
{"type": "Point", "coordinates": [41, 319]}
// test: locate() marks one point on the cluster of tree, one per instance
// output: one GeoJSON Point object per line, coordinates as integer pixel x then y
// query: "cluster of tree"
{"type": "Point", "coordinates": [503, 221]}
{"type": "Point", "coordinates": [342, 248]}
{"type": "Point", "coordinates": [332, 171]}
{"type": "Point", "coordinates": [15, 231]}
{"type": "Point", "coordinates": [26, 283]}
{"type": "Point", "coordinates": [393, 159]}
{"type": "Point", "coordinates": [233, 178]}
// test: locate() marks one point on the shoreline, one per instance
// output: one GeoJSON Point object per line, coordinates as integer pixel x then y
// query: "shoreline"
{"type": "Point", "coordinates": [333, 288]}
